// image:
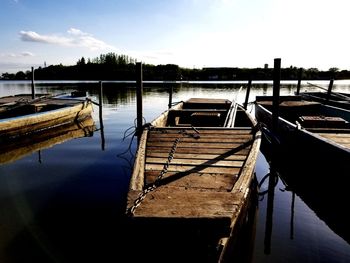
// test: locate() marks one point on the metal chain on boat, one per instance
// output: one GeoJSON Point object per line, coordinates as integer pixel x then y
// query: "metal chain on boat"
{"type": "Point", "coordinates": [152, 187]}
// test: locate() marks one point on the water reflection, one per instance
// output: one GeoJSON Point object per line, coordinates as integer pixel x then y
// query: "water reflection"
{"type": "Point", "coordinates": [323, 191]}
{"type": "Point", "coordinates": [68, 209]}
{"type": "Point", "coordinates": [13, 149]}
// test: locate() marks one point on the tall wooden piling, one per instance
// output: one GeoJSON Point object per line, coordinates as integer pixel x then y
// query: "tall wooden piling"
{"type": "Point", "coordinates": [247, 93]}
{"type": "Point", "coordinates": [329, 91]}
{"type": "Point", "coordinates": [139, 95]}
{"type": "Point", "coordinates": [170, 97]}
{"type": "Point", "coordinates": [300, 73]}
{"type": "Point", "coordinates": [276, 93]}
{"type": "Point", "coordinates": [100, 106]}
{"type": "Point", "coordinates": [33, 86]}
{"type": "Point", "coordinates": [273, 175]}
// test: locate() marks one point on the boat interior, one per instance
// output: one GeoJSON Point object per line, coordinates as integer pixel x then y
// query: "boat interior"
{"type": "Point", "coordinates": [309, 114]}
{"type": "Point", "coordinates": [21, 105]}
{"type": "Point", "coordinates": [207, 113]}
{"type": "Point", "coordinates": [26, 109]}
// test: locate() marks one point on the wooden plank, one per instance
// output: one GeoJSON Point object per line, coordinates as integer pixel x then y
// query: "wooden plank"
{"type": "Point", "coordinates": [236, 157]}
{"type": "Point", "coordinates": [235, 151]}
{"type": "Point", "coordinates": [200, 134]}
{"type": "Point", "coordinates": [171, 203]}
{"type": "Point", "coordinates": [195, 145]}
{"type": "Point", "coordinates": [200, 139]}
{"type": "Point", "coordinates": [342, 139]}
{"type": "Point", "coordinates": [211, 162]}
{"type": "Point", "coordinates": [208, 101]}
{"type": "Point", "coordinates": [206, 130]}
{"type": "Point", "coordinates": [193, 168]}
{"type": "Point", "coordinates": [206, 181]}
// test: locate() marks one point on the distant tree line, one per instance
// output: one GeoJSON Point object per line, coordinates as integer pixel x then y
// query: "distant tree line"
{"type": "Point", "coordinates": [112, 66]}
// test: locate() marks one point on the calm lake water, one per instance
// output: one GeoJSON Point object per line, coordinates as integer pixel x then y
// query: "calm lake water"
{"type": "Point", "coordinates": [64, 203]}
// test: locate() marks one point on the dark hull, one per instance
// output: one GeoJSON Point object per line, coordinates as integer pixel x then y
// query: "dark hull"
{"type": "Point", "coordinates": [304, 148]}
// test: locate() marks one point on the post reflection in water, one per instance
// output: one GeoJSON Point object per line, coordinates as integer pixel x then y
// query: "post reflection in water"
{"type": "Point", "coordinates": [314, 188]}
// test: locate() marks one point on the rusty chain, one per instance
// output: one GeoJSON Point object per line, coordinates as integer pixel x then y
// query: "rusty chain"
{"type": "Point", "coordinates": [152, 187]}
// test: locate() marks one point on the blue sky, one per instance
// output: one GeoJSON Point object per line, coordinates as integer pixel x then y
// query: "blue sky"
{"type": "Point", "coordinates": [189, 33]}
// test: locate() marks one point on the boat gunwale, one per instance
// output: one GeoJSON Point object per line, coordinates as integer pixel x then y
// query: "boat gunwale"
{"type": "Point", "coordinates": [304, 130]}
{"type": "Point", "coordinates": [49, 112]}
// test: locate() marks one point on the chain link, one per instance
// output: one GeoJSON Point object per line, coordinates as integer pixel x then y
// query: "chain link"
{"type": "Point", "coordinates": [152, 187]}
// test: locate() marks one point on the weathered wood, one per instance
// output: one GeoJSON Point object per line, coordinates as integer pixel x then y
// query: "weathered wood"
{"type": "Point", "coordinates": [237, 157]}
{"type": "Point", "coordinates": [205, 175]}
{"type": "Point", "coordinates": [195, 150]}
{"type": "Point", "coordinates": [245, 105]}
{"type": "Point", "coordinates": [276, 93]}
{"type": "Point", "coordinates": [193, 168]}
{"type": "Point", "coordinates": [200, 136]}
{"type": "Point", "coordinates": [195, 145]}
{"type": "Point", "coordinates": [195, 162]}
{"type": "Point", "coordinates": [33, 85]}
{"type": "Point", "coordinates": [300, 73]}
{"type": "Point", "coordinates": [201, 139]}
{"type": "Point", "coordinates": [37, 121]}
{"type": "Point", "coordinates": [170, 202]}
{"type": "Point", "coordinates": [137, 177]}
{"type": "Point", "coordinates": [329, 91]}
{"type": "Point", "coordinates": [205, 181]}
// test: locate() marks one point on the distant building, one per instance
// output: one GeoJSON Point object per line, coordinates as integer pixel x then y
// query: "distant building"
{"type": "Point", "coordinates": [266, 66]}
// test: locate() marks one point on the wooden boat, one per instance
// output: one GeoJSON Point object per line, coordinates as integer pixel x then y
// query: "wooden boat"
{"type": "Point", "coordinates": [14, 149]}
{"type": "Point", "coordinates": [318, 135]}
{"type": "Point", "coordinates": [20, 115]}
{"type": "Point", "coordinates": [327, 96]}
{"type": "Point", "coordinates": [337, 99]}
{"type": "Point", "coordinates": [193, 178]}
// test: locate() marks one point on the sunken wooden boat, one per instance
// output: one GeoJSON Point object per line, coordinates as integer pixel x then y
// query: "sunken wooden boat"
{"type": "Point", "coordinates": [20, 114]}
{"type": "Point", "coordinates": [315, 134]}
{"type": "Point", "coordinates": [15, 149]}
{"type": "Point", "coordinates": [193, 178]}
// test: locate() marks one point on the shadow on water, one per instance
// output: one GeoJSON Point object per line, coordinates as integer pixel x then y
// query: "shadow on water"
{"type": "Point", "coordinates": [323, 188]}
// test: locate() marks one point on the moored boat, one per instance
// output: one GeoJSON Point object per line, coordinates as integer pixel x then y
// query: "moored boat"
{"type": "Point", "coordinates": [20, 115]}
{"type": "Point", "coordinates": [337, 99]}
{"type": "Point", "coordinates": [315, 134]}
{"type": "Point", "coordinates": [193, 176]}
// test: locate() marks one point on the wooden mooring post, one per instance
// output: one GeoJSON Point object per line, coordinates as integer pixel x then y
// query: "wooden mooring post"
{"type": "Point", "coordinates": [139, 95]}
{"type": "Point", "coordinates": [276, 93]}
{"type": "Point", "coordinates": [170, 97]}
{"type": "Point", "coordinates": [33, 86]}
{"type": "Point", "coordinates": [329, 91]}
{"type": "Point", "coordinates": [300, 73]}
{"type": "Point", "coordinates": [247, 93]}
{"type": "Point", "coordinates": [100, 106]}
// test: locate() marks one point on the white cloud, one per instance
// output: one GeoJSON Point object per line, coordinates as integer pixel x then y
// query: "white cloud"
{"type": "Point", "coordinates": [76, 38]}
{"type": "Point", "coordinates": [27, 54]}
{"type": "Point", "coordinates": [17, 55]}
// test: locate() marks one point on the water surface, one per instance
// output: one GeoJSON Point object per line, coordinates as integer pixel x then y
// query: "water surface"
{"type": "Point", "coordinates": [64, 203]}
